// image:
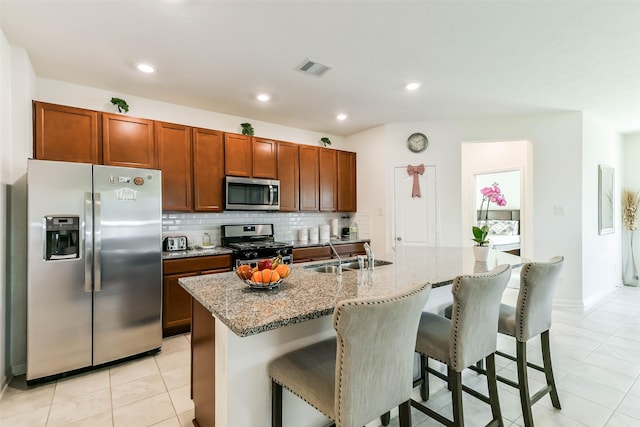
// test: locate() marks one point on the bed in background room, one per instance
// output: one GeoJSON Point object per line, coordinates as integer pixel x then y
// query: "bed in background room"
{"type": "Point", "coordinates": [504, 229]}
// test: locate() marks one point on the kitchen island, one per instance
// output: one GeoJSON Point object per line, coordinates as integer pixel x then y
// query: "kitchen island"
{"type": "Point", "coordinates": [237, 330]}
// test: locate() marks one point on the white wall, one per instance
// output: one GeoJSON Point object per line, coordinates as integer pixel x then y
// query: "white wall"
{"type": "Point", "coordinates": [17, 84]}
{"type": "Point", "coordinates": [556, 141]}
{"type": "Point", "coordinates": [5, 166]}
{"type": "Point", "coordinates": [601, 262]}
{"type": "Point", "coordinates": [58, 92]}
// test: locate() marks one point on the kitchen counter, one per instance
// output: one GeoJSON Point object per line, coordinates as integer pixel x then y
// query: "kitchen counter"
{"type": "Point", "coordinates": [196, 253]}
{"type": "Point", "coordinates": [237, 331]}
{"type": "Point", "coordinates": [309, 244]}
{"type": "Point", "coordinates": [306, 294]}
{"type": "Point", "coordinates": [219, 250]}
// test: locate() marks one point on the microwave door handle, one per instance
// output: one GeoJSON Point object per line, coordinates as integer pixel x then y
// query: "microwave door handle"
{"type": "Point", "coordinates": [270, 195]}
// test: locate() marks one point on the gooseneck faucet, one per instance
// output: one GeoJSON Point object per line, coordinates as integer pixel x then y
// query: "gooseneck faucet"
{"type": "Point", "coordinates": [339, 270]}
{"type": "Point", "coordinates": [370, 257]}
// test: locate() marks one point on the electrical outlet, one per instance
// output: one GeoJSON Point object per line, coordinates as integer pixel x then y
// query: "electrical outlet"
{"type": "Point", "coordinates": [558, 210]}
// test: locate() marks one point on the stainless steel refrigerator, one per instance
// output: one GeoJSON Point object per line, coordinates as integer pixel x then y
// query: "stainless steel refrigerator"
{"type": "Point", "coordinates": [94, 280]}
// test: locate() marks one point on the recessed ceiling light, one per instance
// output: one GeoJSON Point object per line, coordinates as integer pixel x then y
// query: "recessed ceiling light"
{"type": "Point", "coordinates": [341, 117]}
{"type": "Point", "coordinates": [413, 85]}
{"type": "Point", "coordinates": [146, 68]}
{"type": "Point", "coordinates": [263, 97]}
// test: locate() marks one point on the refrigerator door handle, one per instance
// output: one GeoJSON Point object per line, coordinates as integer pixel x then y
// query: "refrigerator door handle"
{"type": "Point", "coordinates": [97, 207]}
{"type": "Point", "coordinates": [88, 240]}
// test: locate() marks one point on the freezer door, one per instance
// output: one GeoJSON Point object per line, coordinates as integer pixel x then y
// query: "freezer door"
{"type": "Point", "coordinates": [128, 262]}
{"type": "Point", "coordinates": [58, 278]}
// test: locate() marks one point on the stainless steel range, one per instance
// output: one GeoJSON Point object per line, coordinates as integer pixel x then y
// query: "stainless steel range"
{"type": "Point", "coordinates": [252, 242]}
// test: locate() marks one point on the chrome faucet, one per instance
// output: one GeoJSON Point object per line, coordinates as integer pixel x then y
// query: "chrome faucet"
{"type": "Point", "coordinates": [370, 257]}
{"type": "Point", "coordinates": [339, 269]}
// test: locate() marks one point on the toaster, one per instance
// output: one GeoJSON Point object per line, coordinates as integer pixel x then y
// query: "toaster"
{"type": "Point", "coordinates": [175, 243]}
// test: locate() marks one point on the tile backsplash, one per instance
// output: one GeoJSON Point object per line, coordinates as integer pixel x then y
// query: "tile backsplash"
{"type": "Point", "coordinates": [286, 224]}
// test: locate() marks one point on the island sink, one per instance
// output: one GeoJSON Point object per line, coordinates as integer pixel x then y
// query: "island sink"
{"type": "Point", "coordinates": [347, 265]}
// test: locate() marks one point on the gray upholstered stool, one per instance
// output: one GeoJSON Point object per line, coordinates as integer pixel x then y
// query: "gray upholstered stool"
{"type": "Point", "coordinates": [366, 370]}
{"type": "Point", "coordinates": [469, 336]}
{"type": "Point", "coordinates": [529, 318]}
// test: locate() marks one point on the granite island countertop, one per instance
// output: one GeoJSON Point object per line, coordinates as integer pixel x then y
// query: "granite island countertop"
{"type": "Point", "coordinates": [307, 294]}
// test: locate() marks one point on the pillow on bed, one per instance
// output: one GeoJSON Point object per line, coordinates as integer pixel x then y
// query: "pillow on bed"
{"type": "Point", "coordinates": [502, 227]}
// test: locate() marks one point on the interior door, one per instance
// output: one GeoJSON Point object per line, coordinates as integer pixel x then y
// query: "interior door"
{"type": "Point", "coordinates": [415, 218]}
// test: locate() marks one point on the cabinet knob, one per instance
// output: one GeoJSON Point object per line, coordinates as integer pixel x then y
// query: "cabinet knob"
{"type": "Point", "coordinates": [399, 239]}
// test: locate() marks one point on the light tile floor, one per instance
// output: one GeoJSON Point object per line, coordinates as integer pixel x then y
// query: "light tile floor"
{"type": "Point", "coordinates": [596, 357]}
{"type": "Point", "coordinates": [152, 391]}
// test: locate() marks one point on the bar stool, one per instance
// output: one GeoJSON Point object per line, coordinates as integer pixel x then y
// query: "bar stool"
{"type": "Point", "coordinates": [531, 317]}
{"type": "Point", "coordinates": [469, 336]}
{"type": "Point", "coordinates": [366, 370]}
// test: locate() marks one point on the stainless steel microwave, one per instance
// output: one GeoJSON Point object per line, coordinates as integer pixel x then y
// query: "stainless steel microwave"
{"type": "Point", "coordinates": [252, 194]}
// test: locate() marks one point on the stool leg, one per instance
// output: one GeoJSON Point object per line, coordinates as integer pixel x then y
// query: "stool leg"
{"type": "Point", "coordinates": [424, 376]}
{"type": "Point", "coordinates": [385, 418]}
{"type": "Point", "coordinates": [492, 384]}
{"type": "Point", "coordinates": [523, 382]}
{"type": "Point", "coordinates": [455, 381]}
{"type": "Point", "coordinates": [276, 404]}
{"type": "Point", "coordinates": [548, 370]}
{"type": "Point", "coordinates": [405, 413]}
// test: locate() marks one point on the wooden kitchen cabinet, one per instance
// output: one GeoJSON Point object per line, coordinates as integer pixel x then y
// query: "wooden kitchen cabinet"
{"type": "Point", "coordinates": [328, 179]}
{"type": "Point", "coordinates": [208, 170]}
{"type": "Point", "coordinates": [313, 253]}
{"type": "Point", "coordinates": [349, 250]}
{"type": "Point", "coordinates": [65, 133]}
{"type": "Point", "coordinates": [128, 141]}
{"type": "Point", "coordinates": [176, 302]}
{"type": "Point", "coordinates": [288, 174]}
{"type": "Point", "coordinates": [346, 184]}
{"type": "Point", "coordinates": [264, 158]}
{"type": "Point", "coordinates": [238, 159]}
{"type": "Point", "coordinates": [175, 160]}
{"type": "Point", "coordinates": [309, 178]}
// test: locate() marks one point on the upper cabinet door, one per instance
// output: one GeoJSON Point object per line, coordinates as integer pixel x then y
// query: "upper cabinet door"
{"type": "Point", "coordinates": [128, 141]}
{"type": "Point", "coordinates": [347, 191]}
{"type": "Point", "coordinates": [264, 158]}
{"type": "Point", "coordinates": [309, 176]}
{"type": "Point", "coordinates": [328, 179]}
{"type": "Point", "coordinates": [237, 155]}
{"type": "Point", "coordinates": [208, 170]}
{"type": "Point", "coordinates": [65, 133]}
{"type": "Point", "coordinates": [288, 173]}
{"type": "Point", "coordinates": [174, 159]}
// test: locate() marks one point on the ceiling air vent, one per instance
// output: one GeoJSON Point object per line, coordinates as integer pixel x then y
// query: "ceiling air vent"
{"type": "Point", "coordinates": [313, 68]}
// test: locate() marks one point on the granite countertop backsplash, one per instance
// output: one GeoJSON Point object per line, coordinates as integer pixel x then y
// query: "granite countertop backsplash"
{"type": "Point", "coordinates": [190, 253]}
{"type": "Point", "coordinates": [219, 250]}
{"type": "Point", "coordinates": [307, 294]}
{"type": "Point", "coordinates": [311, 243]}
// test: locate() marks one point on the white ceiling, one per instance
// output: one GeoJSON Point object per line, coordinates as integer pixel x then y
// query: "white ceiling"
{"type": "Point", "coordinates": [474, 59]}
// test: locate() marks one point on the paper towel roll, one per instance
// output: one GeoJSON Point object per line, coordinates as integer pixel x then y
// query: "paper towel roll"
{"type": "Point", "coordinates": [325, 232]}
{"type": "Point", "coordinates": [303, 234]}
{"type": "Point", "coordinates": [335, 229]}
{"type": "Point", "coordinates": [313, 234]}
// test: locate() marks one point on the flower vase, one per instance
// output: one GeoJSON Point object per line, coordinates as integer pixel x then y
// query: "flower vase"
{"type": "Point", "coordinates": [630, 273]}
{"type": "Point", "coordinates": [481, 253]}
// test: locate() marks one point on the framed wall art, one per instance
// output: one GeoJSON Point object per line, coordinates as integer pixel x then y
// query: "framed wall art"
{"type": "Point", "coordinates": [605, 199]}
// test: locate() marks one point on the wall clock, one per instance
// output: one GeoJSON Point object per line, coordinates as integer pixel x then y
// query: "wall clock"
{"type": "Point", "coordinates": [417, 142]}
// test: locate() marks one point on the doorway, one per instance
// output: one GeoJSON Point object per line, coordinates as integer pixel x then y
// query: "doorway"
{"type": "Point", "coordinates": [415, 220]}
{"type": "Point", "coordinates": [481, 158]}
